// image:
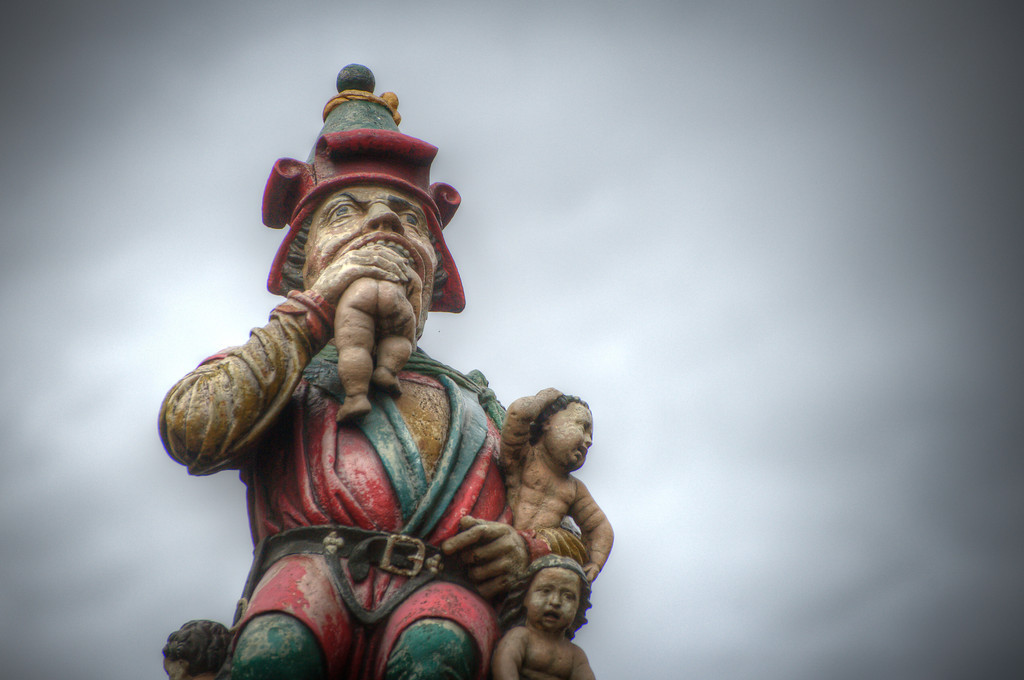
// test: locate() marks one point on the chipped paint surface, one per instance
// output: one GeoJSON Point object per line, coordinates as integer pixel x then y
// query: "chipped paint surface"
{"type": "Point", "coordinates": [300, 585]}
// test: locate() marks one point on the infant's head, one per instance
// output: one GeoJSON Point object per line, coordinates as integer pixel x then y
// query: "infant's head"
{"type": "Point", "coordinates": [553, 596]}
{"type": "Point", "coordinates": [565, 427]}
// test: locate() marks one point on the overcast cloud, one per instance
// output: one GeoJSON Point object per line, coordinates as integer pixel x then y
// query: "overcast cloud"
{"type": "Point", "coordinates": [776, 246]}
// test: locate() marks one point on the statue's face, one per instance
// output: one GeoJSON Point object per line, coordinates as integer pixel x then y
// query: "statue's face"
{"type": "Point", "coordinates": [568, 435]}
{"type": "Point", "coordinates": [176, 670]}
{"type": "Point", "coordinates": [552, 599]}
{"type": "Point", "coordinates": [378, 220]}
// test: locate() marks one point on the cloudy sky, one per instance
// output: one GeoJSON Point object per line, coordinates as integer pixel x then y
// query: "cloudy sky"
{"type": "Point", "coordinates": [776, 246]}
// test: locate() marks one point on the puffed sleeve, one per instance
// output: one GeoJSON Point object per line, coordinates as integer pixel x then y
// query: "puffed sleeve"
{"type": "Point", "coordinates": [214, 416]}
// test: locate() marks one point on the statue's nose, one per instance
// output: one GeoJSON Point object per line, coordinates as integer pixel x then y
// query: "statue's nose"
{"type": "Point", "coordinates": [382, 218]}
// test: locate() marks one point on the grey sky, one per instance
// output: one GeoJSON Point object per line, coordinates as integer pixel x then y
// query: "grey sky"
{"type": "Point", "coordinates": [774, 245]}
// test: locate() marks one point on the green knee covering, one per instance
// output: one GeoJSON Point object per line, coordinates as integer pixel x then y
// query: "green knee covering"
{"type": "Point", "coordinates": [433, 649]}
{"type": "Point", "coordinates": [277, 647]}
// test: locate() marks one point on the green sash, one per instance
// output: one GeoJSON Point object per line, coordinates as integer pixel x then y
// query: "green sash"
{"type": "Point", "coordinates": [422, 503]}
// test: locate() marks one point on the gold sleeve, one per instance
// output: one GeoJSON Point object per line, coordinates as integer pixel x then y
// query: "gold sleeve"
{"type": "Point", "coordinates": [213, 417]}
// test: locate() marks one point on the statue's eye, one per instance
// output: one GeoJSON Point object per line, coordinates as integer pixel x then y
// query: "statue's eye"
{"type": "Point", "coordinates": [343, 210]}
{"type": "Point", "coordinates": [411, 219]}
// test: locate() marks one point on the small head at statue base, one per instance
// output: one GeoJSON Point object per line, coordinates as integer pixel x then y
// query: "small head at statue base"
{"type": "Point", "coordinates": [196, 651]}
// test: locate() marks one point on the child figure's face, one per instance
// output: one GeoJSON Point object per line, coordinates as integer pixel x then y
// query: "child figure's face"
{"type": "Point", "coordinates": [176, 670]}
{"type": "Point", "coordinates": [568, 436]}
{"type": "Point", "coordinates": [552, 599]}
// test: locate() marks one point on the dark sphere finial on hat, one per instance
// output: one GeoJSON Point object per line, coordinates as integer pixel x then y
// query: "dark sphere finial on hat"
{"type": "Point", "coordinates": [356, 77]}
{"type": "Point", "coordinates": [363, 109]}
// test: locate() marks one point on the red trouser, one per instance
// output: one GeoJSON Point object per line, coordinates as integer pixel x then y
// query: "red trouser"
{"type": "Point", "coordinates": [300, 585]}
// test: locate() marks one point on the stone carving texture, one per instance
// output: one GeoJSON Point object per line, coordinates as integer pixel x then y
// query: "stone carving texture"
{"type": "Point", "coordinates": [383, 537]}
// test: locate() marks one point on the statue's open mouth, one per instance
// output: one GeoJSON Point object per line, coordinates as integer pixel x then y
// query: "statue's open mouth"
{"type": "Point", "coordinates": [552, 617]}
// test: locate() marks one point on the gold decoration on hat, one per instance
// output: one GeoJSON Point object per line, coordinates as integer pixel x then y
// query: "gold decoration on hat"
{"type": "Point", "coordinates": [388, 100]}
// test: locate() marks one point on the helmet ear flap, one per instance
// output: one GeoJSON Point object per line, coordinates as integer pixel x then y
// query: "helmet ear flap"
{"type": "Point", "coordinates": [447, 200]}
{"type": "Point", "coordinates": [289, 181]}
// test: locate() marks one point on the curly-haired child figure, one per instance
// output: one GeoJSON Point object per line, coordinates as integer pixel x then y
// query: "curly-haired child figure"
{"type": "Point", "coordinates": [541, 614]}
{"type": "Point", "coordinates": [196, 651]}
{"type": "Point", "coordinates": [546, 437]}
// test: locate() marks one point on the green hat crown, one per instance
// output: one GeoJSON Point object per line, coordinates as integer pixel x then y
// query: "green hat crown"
{"type": "Point", "coordinates": [356, 107]}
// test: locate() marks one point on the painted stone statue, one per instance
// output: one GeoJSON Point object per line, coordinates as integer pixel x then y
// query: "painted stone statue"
{"type": "Point", "coordinates": [196, 651]}
{"type": "Point", "coordinates": [544, 439]}
{"type": "Point", "coordinates": [377, 506]}
{"type": "Point", "coordinates": [542, 614]}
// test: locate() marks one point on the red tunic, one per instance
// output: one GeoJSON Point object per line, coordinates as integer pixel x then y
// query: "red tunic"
{"type": "Point", "coordinates": [256, 408]}
{"type": "Point", "coordinates": [313, 471]}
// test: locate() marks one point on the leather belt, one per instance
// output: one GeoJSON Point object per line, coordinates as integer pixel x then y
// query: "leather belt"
{"type": "Point", "coordinates": [396, 554]}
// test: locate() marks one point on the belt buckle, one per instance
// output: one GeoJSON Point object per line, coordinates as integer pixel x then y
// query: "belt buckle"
{"type": "Point", "coordinates": [416, 558]}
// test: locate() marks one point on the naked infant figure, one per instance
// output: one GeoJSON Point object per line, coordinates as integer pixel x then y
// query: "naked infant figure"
{"type": "Point", "coordinates": [371, 312]}
{"type": "Point", "coordinates": [541, 615]}
{"type": "Point", "coordinates": [375, 325]}
{"type": "Point", "coordinates": [546, 437]}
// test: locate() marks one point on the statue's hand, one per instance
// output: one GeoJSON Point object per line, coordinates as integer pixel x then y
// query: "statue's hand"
{"type": "Point", "coordinates": [494, 552]}
{"type": "Point", "coordinates": [591, 570]}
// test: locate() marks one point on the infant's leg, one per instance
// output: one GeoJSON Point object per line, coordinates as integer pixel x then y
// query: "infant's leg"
{"type": "Point", "coordinates": [354, 337]}
{"type": "Point", "coordinates": [392, 353]}
{"type": "Point", "coordinates": [396, 325]}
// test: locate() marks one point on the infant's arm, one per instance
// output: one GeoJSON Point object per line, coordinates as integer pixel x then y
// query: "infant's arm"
{"type": "Point", "coordinates": [515, 433]}
{"type": "Point", "coordinates": [509, 655]}
{"type": "Point", "coordinates": [596, 529]}
{"type": "Point", "coordinates": [580, 665]}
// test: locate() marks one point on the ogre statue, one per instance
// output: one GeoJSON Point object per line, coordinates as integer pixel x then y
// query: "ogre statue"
{"type": "Point", "coordinates": [383, 539]}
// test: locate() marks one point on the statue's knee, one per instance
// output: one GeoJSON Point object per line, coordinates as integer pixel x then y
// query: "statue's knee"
{"type": "Point", "coordinates": [433, 648]}
{"type": "Point", "coordinates": [277, 647]}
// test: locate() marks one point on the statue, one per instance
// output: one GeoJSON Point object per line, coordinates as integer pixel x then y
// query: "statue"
{"type": "Point", "coordinates": [196, 651]}
{"type": "Point", "coordinates": [383, 540]}
{"type": "Point", "coordinates": [545, 437]}
{"type": "Point", "coordinates": [542, 614]}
